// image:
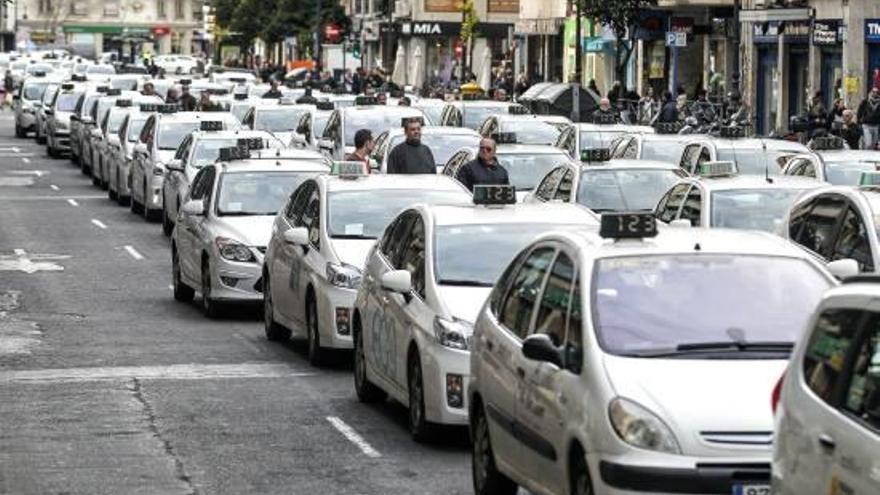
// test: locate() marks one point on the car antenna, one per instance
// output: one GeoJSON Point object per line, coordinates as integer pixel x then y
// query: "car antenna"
{"type": "Point", "coordinates": [766, 164]}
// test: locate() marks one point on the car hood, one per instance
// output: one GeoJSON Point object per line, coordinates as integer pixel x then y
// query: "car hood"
{"type": "Point", "coordinates": [698, 396]}
{"type": "Point", "coordinates": [63, 117]}
{"type": "Point", "coordinates": [250, 230]}
{"type": "Point", "coordinates": [464, 302]}
{"type": "Point", "coordinates": [353, 251]}
{"type": "Point", "coordinates": [165, 156]}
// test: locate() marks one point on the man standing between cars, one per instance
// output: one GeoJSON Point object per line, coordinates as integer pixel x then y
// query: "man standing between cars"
{"type": "Point", "coordinates": [187, 101]}
{"type": "Point", "coordinates": [869, 117]}
{"type": "Point", "coordinates": [364, 144]}
{"type": "Point", "coordinates": [273, 92]}
{"type": "Point", "coordinates": [149, 90]}
{"type": "Point", "coordinates": [484, 170]}
{"type": "Point", "coordinates": [411, 156]}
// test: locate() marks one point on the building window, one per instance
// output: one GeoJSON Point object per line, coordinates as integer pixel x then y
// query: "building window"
{"type": "Point", "coordinates": [160, 9]}
{"type": "Point", "coordinates": [45, 6]}
{"type": "Point", "coordinates": [178, 9]}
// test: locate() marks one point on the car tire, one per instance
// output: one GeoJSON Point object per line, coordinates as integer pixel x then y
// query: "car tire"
{"type": "Point", "coordinates": [209, 305]}
{"type": "Point", "coordinates": [20, 132]}
{"type": "Point", "coordinates": [136, 207]}
{"type": "Point", "coordinates": [40, 138]}
{"type": "Point", "coordinates": [182, 292]}
{"type": "Point", "coordinates": [366, 391]}
{"type": "Point", "coordinates": [150, 214]}
{"type": "Point", "coordinates": [316, 352]}
{"type": "Point", "coordinates": [120, 199]}
{"type": "Point", "coordinates": [167, 224]}
{"type": "Point", "coordinates": [275, 332]}
{"type": "Point", "coordinates": [52, 152]}
{"type": "Point", "coordinates": [111, 194]}
{"type": "Point", "coordinates": [580, 476]}
{"type": "Point", "coordinates": [419, 427]}
{"type": "Point", "coordinates": [484, 473]}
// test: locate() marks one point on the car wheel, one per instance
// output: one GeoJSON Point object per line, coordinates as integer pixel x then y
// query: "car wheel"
{"type": "Point", "coordinates": [122, 200]}
{"type": "Point", "coordinates": [136, 207]}
{"type": "Point", "coordinates": [182, 292]}
{"type": "Point", "coordinates": [580, 477]}
{"type": "Point", "coordinates": [167, 224]}
{"type": "Point", "coordinates": [149, 214]}
{"type": "Point", "coordinates": [210, 307]}
{"type": "Point", "coordinates": [20, 132]}
{"type": "Point", "coordinates": [486, 477]}
{"type": "Point", "coordinates": [274, 331]}
{"type": "Point", "coordinates": [316, 353]}
{"type": "Point", "coordinates": [52, 152]}
{"type": "Point", "coordinates": [96, 169]}
{"type": "Point", "coordinates": [418, 425]}
{"type": "Point", "coordinates": [41, 139]}
{"type": "Point", "coordinates": [366, 391]}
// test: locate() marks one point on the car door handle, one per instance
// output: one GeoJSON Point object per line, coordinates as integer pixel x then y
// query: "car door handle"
{"type": "Point", "coordinates": [490, 345]}
{"type": "Point", "coordinates": [521, 372]}
{"type": "Point", "coordinates": [826, 441]}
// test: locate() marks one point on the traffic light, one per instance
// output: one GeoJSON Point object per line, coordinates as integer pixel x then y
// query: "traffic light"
{"type": "Point", "coordinates": [356, 49]}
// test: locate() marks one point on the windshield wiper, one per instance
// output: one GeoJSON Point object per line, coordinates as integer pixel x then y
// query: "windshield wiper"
{"type": "Point", "coordinates": [354, 236]}
{"type": "Point", "coordinates": [244, 213]}
{"type": "Point", "coordinates": [725, 347]}
{"type": "Point", "coordinates": [464, 283]}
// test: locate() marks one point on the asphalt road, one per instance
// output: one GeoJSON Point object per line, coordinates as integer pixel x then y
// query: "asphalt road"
{"type": "Point", "coordinates": [108, 386]}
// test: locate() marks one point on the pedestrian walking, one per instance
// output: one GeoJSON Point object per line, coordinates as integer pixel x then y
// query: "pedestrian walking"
{"type": "Point", "coordinates": [669, 112]}
{"type": "Point", "coordinates": [484, 170]}
{"type": "Point", "coordinates": [364, 145]}
{"type": "Point", "coordinates": [869, 118]}
{"type": "Point", "coordinates": [411, 156]}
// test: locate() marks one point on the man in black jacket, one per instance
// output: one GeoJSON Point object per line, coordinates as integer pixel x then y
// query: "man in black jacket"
{"type": "Point", "coordinates": [187, 101]}
{"type": "Point", "coordinates": [669, 112]}
{"type": "Point", "coordinates": [869, 118]}
{"type": "Point", "coordinates": [484, 170]}
{"type": "Point", "coordinates": [850, 131]}
{"type": "Point", "coordinates": [411, 156]}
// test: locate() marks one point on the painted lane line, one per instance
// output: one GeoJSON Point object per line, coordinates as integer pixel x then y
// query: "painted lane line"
{"type": "Point", "coordinates": [133, 252]}
{"type": "Point", "coordinates": [26, 159]}
{"type": "Point", "coordinates": [99, 224]}
{"type": "Point", "coordinates": [72, 202]}
{"type": "Point", "coordinates": [192, 371]}
{"type": "Point", "coordinates": [19, 252]}
{"type": "Point", "coordinates": [54, 187]}
{"type": "Point", "coordinates": [46, 198]}
{"type": "Point", "coordinates": [353, 437]}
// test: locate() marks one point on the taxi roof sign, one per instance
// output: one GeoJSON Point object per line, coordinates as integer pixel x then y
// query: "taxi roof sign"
{"type": "Point", "coordinates": [869, 179]}
{"type": "Point", "coordinates": [123, 103]}
{"type": "Point", "coordinates": [211, 125]}
{"type": "Point", "coordinates": [231, 153]}
{"type": "Point", "coordinates": [667, 127]}
{"type": "Point", "coordinates": [348, 169]}
{"type": "Point", "coordinates": [604, 119]}
{"type": "Point", "coordinates": [250, 144]}
{"type": "Point", "coordinates": [825, 143]}
{"type": "Point", "coordinates": [716, 169]}
{"type": "Point", "coordinates": [324, 105]}
{"type": "Point", "coordinates": [732, 132]}
{"type": "Point", "coordinates": [167, 107]}
{"type": "Point", "coordinates": [102, 89]}
{"type": "Point", "coordinates": [595, 155]}
{"type": "Point", "coordinates": [148, 107]}
{"type": "Point", "coordinates": [67, 86]}
{"type": "Point", "coordinates": [240, 96]}
{"type": "Point", "coordinates": [517, 110]}
{"type": "Point", "coordinates": [494, 195]}
{"type": "Point", "coordinates": [366, 100]}
{"type": "Point", "coordinates": [504, 137]}
{"type": "Point", "coordinates": [623, 225]}
{"type": "Point", "coordinates": [113, 92]}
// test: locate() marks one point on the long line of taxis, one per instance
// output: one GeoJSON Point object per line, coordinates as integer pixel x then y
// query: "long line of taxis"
{"type": "Point", "coordinates": [542, 326]}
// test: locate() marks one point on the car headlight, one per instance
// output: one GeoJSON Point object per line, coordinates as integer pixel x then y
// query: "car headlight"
{"type": "Point", "coordinates": [159, 171]}
{"type": "Point", "coordinates": [60, 125]}
{"type": "Point", "coordinates": [452, 333]}
{"type": "Point", "coordinates": [640, 427]}
{"type": "Point", "coordinates": [233, 250]}
{"type": "Point", "coordinates": [345, 276]}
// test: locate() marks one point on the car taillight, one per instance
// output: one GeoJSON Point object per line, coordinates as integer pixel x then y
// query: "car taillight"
{"type": "Point", "coordinates": [777, 392]}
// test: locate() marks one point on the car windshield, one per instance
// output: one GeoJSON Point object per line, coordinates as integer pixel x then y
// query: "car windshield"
{"type": "Point", "coordinates": [34, 68]}
{"type": "Point", "coordinates": [365, 214]}
{"type": "Point", "coordinates": [66, 102]}
{"type": "Point", "coordinates": [664, 151]}
{"type": "Point", "coordinates": [34, 90]}
{"type": "Point", "coordinates": [135, 126]}
{"type": "Point", "coordinates": [754, 161]}
{"type": "Point", "coordinates": [257, 193]}
{"type": "Point", "coordinates": [473, 116]}
{"type": "Point", "coordinates": [752, 209]}
{"type": "Point", "coordinates": [598, 139]}
{"type": "Point", "coordinates": [443, 146]}
{"type": "Point", "coordinates": [624, 190]}
{"type": "Point", "coordinates": [432, 112]}
{"type": "Point", "coordinates": [377, 121]}
{"type": "Point", "coordinates": [319, 122]}
{"type": "Point", "coordinates": [127, 84]}
{"type": "Point", "coordinates": [632, 297]}
{"type": "Point", "coordinates": [171, 134]}
{"type": "Point", "coordinates": [532, 131]}
{"type": "Point", "coordinates": [100, 69]}
{"type": "Point", "coordinates": [114, 122]}
{"type": "Point", "coordinates": [278, 119]}
{"type": "Point", "coordinates": [848, 173]}
{"type": "Point", "coordinates": [525, 170]}
{"type": "Point", "coordinates": [240, 110]}
{"type": "Point", "coordinates": [452, 264]}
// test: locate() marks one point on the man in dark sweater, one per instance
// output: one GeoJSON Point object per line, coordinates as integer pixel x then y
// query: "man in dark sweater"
{"type": "Point", "coordinates": [849, 130]}
{"type": "Point", "coordinates": [411, 156]}
{"type": "Point", "coordinates": [484, 170]}
{"type": "Point", "coordinates": [869, 118]}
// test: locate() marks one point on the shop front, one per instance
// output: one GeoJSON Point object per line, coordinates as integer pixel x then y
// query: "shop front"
{"type": "Point", "coordinates": [781, 90]}
{"type": "Point", "coordinates": [828, 39]}
{"type": "Point", "coordinates": [872, 42]}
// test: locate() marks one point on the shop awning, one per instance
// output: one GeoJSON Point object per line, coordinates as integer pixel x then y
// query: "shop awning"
{"type": "Point", "coordinates": [766, 15]}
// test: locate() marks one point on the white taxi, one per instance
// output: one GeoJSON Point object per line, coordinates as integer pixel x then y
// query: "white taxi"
{"type": "Point", "coordinates": [753, 156]}
{"type": "Point", "coordinates": [422, 288]}
{"type": "Point", "coordinates": [616, 364]}
{"type": "Point", "coordinates": [443, 141]}
{"type": "Point", "coordinates": [222, 230]}
{"type": "Point", "coordinates": [719, 198]}
{"type": "Point", "coordinates": [320, 241]}
{"type": "Point", "coordinates": [337, 139]}
{"type": "Point", "coordinates": [579, 137]}
{"type": "Point", "coordinates": [529, 129]}
{"type": "Point", "coordinates": [831, 162]}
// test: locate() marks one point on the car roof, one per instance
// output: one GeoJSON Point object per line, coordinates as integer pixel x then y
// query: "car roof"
{"type": "Point", "coordinates": [834, 156]}
{"type": "Point", "coordinates": [759, 143]}
{"type": "Point", "coordinates": [640, 129]}
{"type": "Point", "coordinates": [383, 181]}
{"type": "Point", "coordinates": [672, 138]}
{"type": "Point", "coordinates": [759, 182]}
{"type": "Point", "coordinates": [280, 165]}
{"type": "Point", "coordinates": [381, 108]}
{"type": "Point", "coordinates": [627, 164]}
{"type": "Point", "coordinates": [195, 116]}
{"type": "Point", "coordinates": [537, 149]}
{"type": "Point", "coordinates": [226, 134]}
{"type": "Point", "coordinates": [437, 129]}
{"type": "Point", "coordinates": [545, 213]}
{"type": "Point", "coordinates": [860, 286]}
{"type": "Point", "coordinates": [289, 153]}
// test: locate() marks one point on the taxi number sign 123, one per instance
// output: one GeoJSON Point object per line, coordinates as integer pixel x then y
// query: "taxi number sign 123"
{"type": "Point", "coordinates": [751, 490]}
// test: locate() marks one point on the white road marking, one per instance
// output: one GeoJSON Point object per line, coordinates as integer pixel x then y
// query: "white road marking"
{"type": "Point", "coordinates": [20, 261]}
{"type": "Point", "coordinates": [7, 155]}
{"type": "Point", "coordinates": [46, 198]}
{"type": "Point", "coordinates": [168, 372]}
{"type": "Point", "coordinates": [14, 149]}
{"type": "Point", "coordinates": [133, 252]}
{"type": "Point", "coordinates": [99, 224]}
{"type": "Point", "coordinates": [16, 181]}
{"type": "Point", "coordinates": [72, 202]}
{"type": "Point", "coordinates": [26, 159]}
{"type": "Point", "coordinates": [19, 252]}
{"type": "Point", "coordinates": [54, 187]}
{"type": "Point", "coordinates": [244, 340]}
{"type": "Point", "coordinates": [353, 436]}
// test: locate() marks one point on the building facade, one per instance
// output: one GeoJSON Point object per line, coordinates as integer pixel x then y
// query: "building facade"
{"type": "Point", "coordinates": [92, 27]}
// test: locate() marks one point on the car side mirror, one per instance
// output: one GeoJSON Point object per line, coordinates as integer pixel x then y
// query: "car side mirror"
{"type": "Point", "coordinates": [96, 133]}
{"type": "Point", "coordinates": [195, 207]}
{"type": "Point", "coordinates": [113, 140]}
{"type": "Point", "coordinates": [175, 165]}
{"type": "Point", "coordinates": [399, 281]}
{"type": "Point", "coordinates": [844, 268]}
{"type": "Point", "coordinates": [539, 347]}
{"type": "Point", "coordinates": [16, 97]}
{"type": "Point", "coordinates": [298, 236]}
{"type": "Point", "coordinates": [75, 118]}
{"type": "Point", "coordinates": [140, 148]}
{"type": "Point", "coordinates": [325, 144]}
{"type": "Point", "coordinates": [49, 112]}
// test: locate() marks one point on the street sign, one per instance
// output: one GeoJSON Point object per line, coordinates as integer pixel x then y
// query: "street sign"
{"type": "Point", "coordinates": [676, 38]}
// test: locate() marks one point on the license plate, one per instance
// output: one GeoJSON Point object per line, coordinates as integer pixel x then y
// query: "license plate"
{"type": "Point", "coordinates": [751, 489]}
